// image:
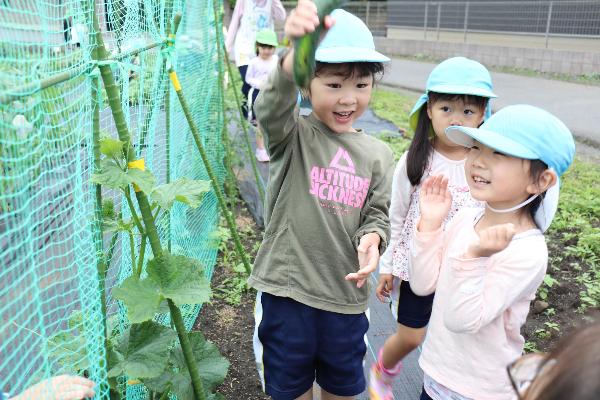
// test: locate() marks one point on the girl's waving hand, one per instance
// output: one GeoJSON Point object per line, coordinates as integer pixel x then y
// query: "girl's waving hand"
{"type": "Point", "coordinates": [435, 201]}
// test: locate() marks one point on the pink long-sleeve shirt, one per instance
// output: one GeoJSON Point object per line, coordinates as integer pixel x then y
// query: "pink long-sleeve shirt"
{"type": "Point", "coordinates": [479, 307]}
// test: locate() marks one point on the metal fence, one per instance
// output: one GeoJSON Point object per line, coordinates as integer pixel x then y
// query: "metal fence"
{"type": "Point", "coordinates": [549, 18]}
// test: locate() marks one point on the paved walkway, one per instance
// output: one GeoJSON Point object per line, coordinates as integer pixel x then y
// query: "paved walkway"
{"type": "Point", "coordinates": [577, 105]}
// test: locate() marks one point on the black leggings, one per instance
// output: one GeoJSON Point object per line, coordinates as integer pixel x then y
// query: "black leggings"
{"type": "Point", "coordinates": [245, 90]}
{"type": "Point", "coordinates": [424, 395]}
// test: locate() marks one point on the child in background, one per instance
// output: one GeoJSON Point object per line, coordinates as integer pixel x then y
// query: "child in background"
{"type": "Point", "coordinates": [325, 215]}
{"type": "Point", "coordinates": [458, 93]}
{"type": "Point", "coordinates": [258, 71]}
{"type": "Point", "coordinates": [249, 17]}
{"type": "Point", "coordinates": [486, 267]}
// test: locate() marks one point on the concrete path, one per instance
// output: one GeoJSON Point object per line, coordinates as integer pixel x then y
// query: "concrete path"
{"type": "Point", "coordinates": [576, 105]}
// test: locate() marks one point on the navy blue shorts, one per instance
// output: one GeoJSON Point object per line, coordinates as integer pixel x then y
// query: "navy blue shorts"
{"type": "Point", "coordinates": [296, 344]}
{"type": "Point", "coordinates": [413, 311]}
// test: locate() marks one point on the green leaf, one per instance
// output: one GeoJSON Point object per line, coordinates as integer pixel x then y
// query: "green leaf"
{"type": "Point", "coordinates": [142, 298]}
{"type": "Point", "coordinates": [113, 225]}
{"type": "Point", "coordinates": [112, 176]}
{"type": "Point", "coordinates": [184, 190]}
{"type": "Point", "coordinates": [211, 365]}
{"type": "Point", "coordinates": [69, 350]}
{"type": "Point", "coordinates": [143, 179]}
{"type": "Point", "coordinates": [111, 147]}
{"type": "Point", "coordinates": [161, 383]}
{"type": "Point", "coordinates": [180, 279]}
{"type": "Point", "coordinates": [108, 209]}
{"type": "Point", "coordinates": [145, 350]}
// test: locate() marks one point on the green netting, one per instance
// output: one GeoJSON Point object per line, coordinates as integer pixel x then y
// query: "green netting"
{"type": "Point", "coordinates": [49, 243]}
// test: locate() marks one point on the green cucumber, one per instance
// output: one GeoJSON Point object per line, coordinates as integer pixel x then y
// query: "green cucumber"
{"type": "Point", "coordinates": [306, 46]}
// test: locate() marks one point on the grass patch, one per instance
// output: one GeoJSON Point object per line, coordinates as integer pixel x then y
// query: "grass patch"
{"type": "Point", "coordinates": [393, 106]}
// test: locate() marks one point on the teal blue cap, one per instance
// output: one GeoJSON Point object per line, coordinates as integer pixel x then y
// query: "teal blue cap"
{"type": "Point", "coordinates": [527, 132]}
{"type": "Point", "coordinates": [456, 75]}
{"type": "Point", "coordinates": [522, 131]}
{"type": "Point", "coordinates": [348, 40]}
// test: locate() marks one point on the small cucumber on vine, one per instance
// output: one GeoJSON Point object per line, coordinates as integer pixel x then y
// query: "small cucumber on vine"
{"type": "Point", "coordinates": [306, 46]}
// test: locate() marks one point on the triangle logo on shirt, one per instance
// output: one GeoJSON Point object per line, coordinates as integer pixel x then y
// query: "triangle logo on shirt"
{"type": "Point", "coordinates": [342, 157]}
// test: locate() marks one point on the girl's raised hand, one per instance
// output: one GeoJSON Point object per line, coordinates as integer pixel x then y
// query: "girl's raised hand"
{"type": "Point", "coordinates": [491, 241]}
{"type": "Point", "coordinates": [434, 201]}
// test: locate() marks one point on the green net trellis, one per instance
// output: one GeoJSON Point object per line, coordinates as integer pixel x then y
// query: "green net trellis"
{"type": "Point", "coordinates": [49, 89]}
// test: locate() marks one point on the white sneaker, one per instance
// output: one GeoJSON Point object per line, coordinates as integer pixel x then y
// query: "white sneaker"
{"type": "Point", "coordinates": [262, 156]}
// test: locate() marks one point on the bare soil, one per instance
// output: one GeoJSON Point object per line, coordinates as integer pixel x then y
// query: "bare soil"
{"type": "Point", "coordinates": [231, 327]}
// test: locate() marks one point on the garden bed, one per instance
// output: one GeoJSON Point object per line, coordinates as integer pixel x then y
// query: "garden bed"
{"type": "Point", "coordinates": [569, 296]}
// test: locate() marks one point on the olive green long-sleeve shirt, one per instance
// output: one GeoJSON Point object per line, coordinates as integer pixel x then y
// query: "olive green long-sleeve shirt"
{"type": "Point", "coordinates": [326, 190]}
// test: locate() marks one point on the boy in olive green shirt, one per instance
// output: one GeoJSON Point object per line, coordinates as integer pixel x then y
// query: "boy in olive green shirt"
{"type": "Point", "coordinates": [325, 215]}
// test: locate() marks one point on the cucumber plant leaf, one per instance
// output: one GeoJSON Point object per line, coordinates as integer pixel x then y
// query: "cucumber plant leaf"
{"type": "Point", "coordinates": [211, 364]}
{"type": "Point", "coordinates": [141, 296]}
{"type": "Point", "coordinates": [116, 225]}
{"type": "Point", "coordinates": [69, 350]}
{"type": "Point", "coordinates": [180, 279]}
{"type": "Point", "coordinates": [112, 176]}
{"type": "Point", "coordinates": [212, 368]}
{"type": "Point", "coordinates": [111, 147]}
{"type": "Point", "coordinates": [144, 350]}
{"type": "Point", "coordinates": [187, 191]}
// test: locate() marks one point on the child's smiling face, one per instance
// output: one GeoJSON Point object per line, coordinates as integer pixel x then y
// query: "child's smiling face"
{"type": "Point", "coordinates": [338, 100]}
{"type": "Point", "coordinates": [498, 179]}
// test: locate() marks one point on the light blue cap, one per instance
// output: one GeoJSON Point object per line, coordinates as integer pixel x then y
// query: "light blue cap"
{"type": "Point", "coordinates": [527, 132]}
{"type": "Point", "coordinates": [456, 75]}
{"type": "Point", "coordinates": [348, 40]}
{"type": "Point", "coordinates": [522, 131]}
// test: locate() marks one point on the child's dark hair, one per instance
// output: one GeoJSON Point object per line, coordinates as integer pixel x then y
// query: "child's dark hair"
{"type": "Point", "coordinates": [536, 168]}
{"type": "Point", "coordinates": [257, 45]}
{"type": "Point", "coordinates": [421, 146]}
{"type": "Point", "coordinates": [350, 70]}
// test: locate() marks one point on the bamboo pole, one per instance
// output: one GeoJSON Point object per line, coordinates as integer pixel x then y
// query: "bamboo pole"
{"type": "Point", "coordinates": [113, 94]}
{"type": "Point", "coordinates": [214, 181]}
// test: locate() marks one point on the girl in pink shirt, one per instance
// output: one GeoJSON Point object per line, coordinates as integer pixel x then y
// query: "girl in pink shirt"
{"type": "Point", "coordinates": [487, 265]}
{"type": "Point", "coordinates": [458, 93]}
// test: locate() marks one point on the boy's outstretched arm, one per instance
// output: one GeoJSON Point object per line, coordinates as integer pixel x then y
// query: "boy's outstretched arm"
{"type": "Point", "coordinates": [276, 103]}
{"type": "Point", "coordinates": [302, 20]}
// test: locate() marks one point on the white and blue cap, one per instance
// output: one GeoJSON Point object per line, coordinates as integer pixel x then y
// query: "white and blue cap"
{"type": "Point", "coordinates": [348, 40]}
{"type": "Point", "coordinates": [456, 75]}
{"type": "Point", "coordinates": [527, 132]}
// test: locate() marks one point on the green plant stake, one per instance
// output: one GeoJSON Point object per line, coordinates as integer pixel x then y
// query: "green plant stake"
{"type": "Point", "coordinates": [113, 94]}
{"type": "Point", "coordinates": [213, 178]}
{"type": "Point", "coordinates": [230, 181]}
{"type": "Point", "coordinates": [261, 191]}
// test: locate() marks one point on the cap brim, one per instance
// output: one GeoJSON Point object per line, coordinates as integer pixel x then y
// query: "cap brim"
{"type": "Point", "coordinates": [349, 54]}
{"type": "Point", "coordinates": [467, 136]}
{"type": "Point", "coordinates": [462, 89]}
